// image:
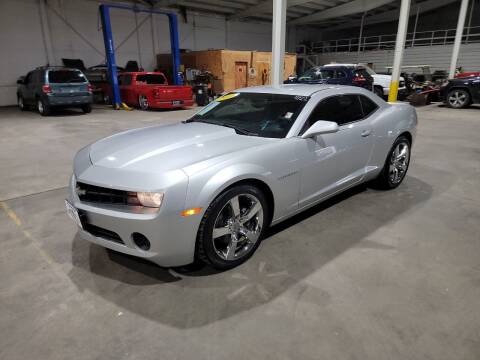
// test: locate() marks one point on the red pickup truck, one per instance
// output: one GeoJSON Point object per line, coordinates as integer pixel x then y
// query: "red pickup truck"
{"type": "Point", "coordinates": [150, 90]}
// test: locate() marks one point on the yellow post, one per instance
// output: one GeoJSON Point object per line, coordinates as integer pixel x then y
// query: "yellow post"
{"type": "Point", "coordinates": [393, 92]}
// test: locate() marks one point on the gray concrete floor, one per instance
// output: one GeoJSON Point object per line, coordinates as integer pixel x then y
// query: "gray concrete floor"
{"type": "Point", "coordinates": [368, 275]}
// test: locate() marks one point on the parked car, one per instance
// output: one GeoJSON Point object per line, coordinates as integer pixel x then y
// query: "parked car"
{"type": "Point", "coordinates": [150, 90]}
{"type": "Point", "coordinates": [209, 188]}
{"type": "Point", "coordinates": [460, 93]}
{"type": "Point", "coordinates": [338, 75]}
{"type": "Point", "coordinates": [46, 88]}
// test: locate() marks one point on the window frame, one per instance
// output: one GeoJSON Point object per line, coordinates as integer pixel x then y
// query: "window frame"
{"type": "Point", "coordinates": [304, 128]}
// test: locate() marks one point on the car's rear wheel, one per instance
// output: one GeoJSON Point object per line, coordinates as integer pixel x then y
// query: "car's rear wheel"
{"type": "Point", "coordinates": [378, 90]}
{"type": "Point", "coordinates": [43, 108]}
{"type": "Point", "coordinates": [143, 102]}
{"type": "Point", "coordinates": [396, 165]}
{"type": "Point", "coordinates": [458, 98]}
{"type": "Point", "coordinates": [87, 108]}
{"type": "Point", "coordinates": [232, 227]}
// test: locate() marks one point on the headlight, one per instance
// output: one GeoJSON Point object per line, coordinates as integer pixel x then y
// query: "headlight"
{"type": "Point", "coordinates": [150, 199]}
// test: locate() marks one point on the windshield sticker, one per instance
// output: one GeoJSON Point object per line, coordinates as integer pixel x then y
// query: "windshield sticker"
{"type": "Point", "coordinates": [208, 108]}
{"type": "Point", "coordinates": [288, 115]}
{"type": "Point", "coordinates": [227, 96]}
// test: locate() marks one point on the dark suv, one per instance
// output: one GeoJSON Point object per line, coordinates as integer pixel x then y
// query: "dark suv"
{"type": "Point", "coordinates": [49, 87]}
{"type": "Point", "coordinates": [460, 93]}
{"type": "Point", "coordinates": [341, 75]}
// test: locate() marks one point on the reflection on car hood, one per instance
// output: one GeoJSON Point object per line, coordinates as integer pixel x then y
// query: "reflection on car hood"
{"type": "Point", "coordinates": [164, 148]}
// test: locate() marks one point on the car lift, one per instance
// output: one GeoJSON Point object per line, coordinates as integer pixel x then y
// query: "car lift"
{"type": "Point", "coordinates": [110, 49]}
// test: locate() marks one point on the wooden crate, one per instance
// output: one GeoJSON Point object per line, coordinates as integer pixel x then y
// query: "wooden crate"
{"type": "Point", "coordinates": [232, 69]}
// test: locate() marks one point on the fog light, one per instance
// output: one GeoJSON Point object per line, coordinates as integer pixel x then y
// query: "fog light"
{"type": "Point", "coordinates": [141, 241]}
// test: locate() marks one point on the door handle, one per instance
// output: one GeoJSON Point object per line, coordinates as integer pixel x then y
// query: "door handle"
{"type": "Point", "coordinates": [366, 133]}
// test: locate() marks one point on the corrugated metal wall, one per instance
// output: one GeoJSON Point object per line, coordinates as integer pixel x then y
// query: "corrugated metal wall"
{"type": "Point", "coordinates": [437, 56]}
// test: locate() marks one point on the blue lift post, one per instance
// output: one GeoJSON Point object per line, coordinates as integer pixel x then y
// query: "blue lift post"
{"type": "Point", "coordinates": [110, 49]}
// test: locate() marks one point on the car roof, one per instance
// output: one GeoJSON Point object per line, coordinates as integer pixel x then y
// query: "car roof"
{"type": "Point", "coordinates": [346, 65]}
{"type": "Point", "coordinates": [294, 89]}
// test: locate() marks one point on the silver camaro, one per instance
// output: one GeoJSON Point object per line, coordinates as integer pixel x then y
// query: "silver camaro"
{"type": "Point", "coordinates": [208, 188]}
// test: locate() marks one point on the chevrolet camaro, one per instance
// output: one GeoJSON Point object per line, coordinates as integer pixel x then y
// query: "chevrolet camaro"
{"type": "Point", "coordinates": [208, 188]}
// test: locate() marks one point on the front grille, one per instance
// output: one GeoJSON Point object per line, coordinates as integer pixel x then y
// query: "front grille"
{"type": "Point", "coordinates": [102, 233]}
{"type": "Point", "coordinates": [98, 194]}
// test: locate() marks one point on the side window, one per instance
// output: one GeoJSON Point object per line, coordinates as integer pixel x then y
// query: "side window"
{"type": "Point", "coordinates": [340, 74]}
{"type": "Point", "coordinates": [341, 109]}
{"type": "Point", "coordinates": [28, 78]}
{"type": "Point", "coordinates": [37, 77]}
{"type": "Point", "coordinates": [127, 80]}
{"type": "Point", "coordinates": [368, 105]}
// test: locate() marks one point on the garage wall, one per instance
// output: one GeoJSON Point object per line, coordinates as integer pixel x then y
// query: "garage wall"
{"type": "Point", "coordinates": [436, 56]}
{"type": "Point", "coordinates": [74, 29]}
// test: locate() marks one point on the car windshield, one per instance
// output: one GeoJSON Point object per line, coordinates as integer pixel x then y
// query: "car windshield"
{"type": "Point", "coordinates": [255, 114]}
{"type": "Point", "coordinates": [317, 74]}
{"type": "Point", "coordinates": [151, 79]}
{"type": "Point", "coordinates": [66, 76]}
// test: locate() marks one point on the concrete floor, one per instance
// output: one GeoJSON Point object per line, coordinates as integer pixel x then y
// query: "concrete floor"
{"type": "Point", "coordinates": [368, 275]}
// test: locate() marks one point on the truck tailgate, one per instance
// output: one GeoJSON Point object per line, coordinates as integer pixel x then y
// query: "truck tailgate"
{"type": "Point", "coordinates": [173, 92]}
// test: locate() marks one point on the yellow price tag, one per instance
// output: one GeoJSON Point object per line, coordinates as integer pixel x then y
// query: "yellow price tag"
{"type": "Point", "coordinates": [227, 96]}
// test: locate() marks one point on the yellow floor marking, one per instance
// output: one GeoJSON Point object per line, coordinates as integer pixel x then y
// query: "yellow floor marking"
{"type": "Point", "coordinates": [14, 217]}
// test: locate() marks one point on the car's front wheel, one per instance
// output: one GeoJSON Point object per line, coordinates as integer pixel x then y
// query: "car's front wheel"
{"type": "Point", "coordinates": [396, 165]}
{"type": "Point", "coordinates": [232, 227]}
{"type": "Point", "coordinates": [87, 108]}
{"type": "Point", "coordinates": [458, 98]}
{"type": "Point", "coordinates": [21, 103]}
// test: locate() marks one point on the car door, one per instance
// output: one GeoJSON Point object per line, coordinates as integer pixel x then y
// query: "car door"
{"type": "Point", "coordinates": [28, 89]}
{"type": "Point", "coordinates": [332, 162]}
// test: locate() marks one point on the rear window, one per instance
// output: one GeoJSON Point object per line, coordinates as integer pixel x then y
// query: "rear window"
{"type": "Point", "coordinates": [66, 76]}
{"type": "Point", "coordinates": [151, 79]}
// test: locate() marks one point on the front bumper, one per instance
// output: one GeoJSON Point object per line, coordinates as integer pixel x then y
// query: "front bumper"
{"type": "Point", "coordinates": [172, 237]}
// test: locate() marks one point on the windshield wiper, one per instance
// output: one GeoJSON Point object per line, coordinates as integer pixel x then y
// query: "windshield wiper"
{"type": "Point", "coordinates": [236, 128]}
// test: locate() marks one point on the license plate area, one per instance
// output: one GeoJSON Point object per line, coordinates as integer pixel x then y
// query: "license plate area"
{"type": "Point", "coordinates": [177, 102]}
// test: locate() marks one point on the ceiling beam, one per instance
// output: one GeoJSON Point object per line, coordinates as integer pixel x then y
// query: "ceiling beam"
{"type": "Point", "coordinates": [392, 15]}
{"type": "Point", "coordinates": [353, 7]}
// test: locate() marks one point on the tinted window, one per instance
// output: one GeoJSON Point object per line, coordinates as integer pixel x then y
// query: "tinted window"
{"type": "Point", "coordinates": [368, 105]}
{"type": "Point", "coordinates": [317, 74]}
{"type": "Point", "coordinates": [341, 109]}
{"type": "Point", "coordinates": [151, 79]}
{"type": "Point", "coordinates": [340, 74]}
{"type": "Point", "coordinates": [124, 79]}
{"type": "Point", "coordinates": [28, 78]}
{"type": "Point", "coordinates": [37, 77]}
{"type": "Point", "coordinates": [265, 115]}
{"type": "Point", "coordinates": [66, 76]}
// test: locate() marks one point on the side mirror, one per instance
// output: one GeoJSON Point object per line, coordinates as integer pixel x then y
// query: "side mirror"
{"type": "Point", "coordinates": [21, 80]}
{"type": "Point", "coordinates": [320, 127]}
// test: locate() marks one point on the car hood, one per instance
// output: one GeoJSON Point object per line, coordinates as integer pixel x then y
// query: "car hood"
{"type": "Point", "coordinates": [164, 148]}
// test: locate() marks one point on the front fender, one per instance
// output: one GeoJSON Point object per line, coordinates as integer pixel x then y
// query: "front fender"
{"type": "Point", "coordinates": [204, 188]}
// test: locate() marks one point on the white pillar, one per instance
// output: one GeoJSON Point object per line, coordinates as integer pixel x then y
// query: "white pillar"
{"type": "Point", "coordinates": [278, 40]}
{"type": "Point", "coordinates": [47, 38]}
{"type": "Point", "coordinates": [458, 38]}
{"type": "Point", "coordinates": [399, 47]}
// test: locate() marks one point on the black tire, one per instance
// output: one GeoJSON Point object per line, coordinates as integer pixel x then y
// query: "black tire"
{"type": "Point", "coordinates": [384, 180]}
{"type": "Point", "coordinates": [206, 245]}
{"type": "Point", "coordinates": [378, 90]}
{"type": "Point", "coordinates": [21, 103]}
{"type": "Point", "coordinates": [87, 108]}
{"type": "Point", "coordinates": [143, 102]}
{"type": "Point", "coordinates": [458, 99]}
{"type": "Point", "coordinates": [42, 107]}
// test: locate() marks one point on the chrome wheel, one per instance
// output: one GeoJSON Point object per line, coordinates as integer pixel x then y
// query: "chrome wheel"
{"type": "Point", "coordinates": [237, 227]}
{"type": "Point", "coordinates": [40, 107]}
{"type": "Point", "coordinates": [143, 102]}
{"type": "Point", "coordinates": [399, 163]}
{"type": "Point", "coordinates": [458, 98]}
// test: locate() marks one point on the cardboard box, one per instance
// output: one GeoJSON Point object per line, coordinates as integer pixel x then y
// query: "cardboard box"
{"type": "Point", "coordinates": [231, 69]}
